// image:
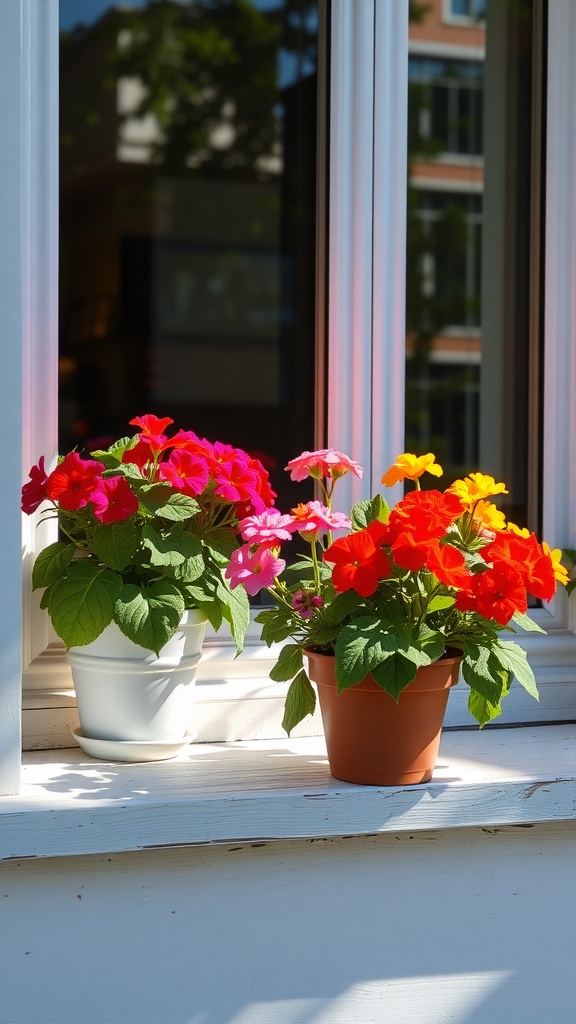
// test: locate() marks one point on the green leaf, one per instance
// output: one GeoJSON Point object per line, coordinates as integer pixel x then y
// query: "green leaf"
{"type": "Point", "coordinates": [481, 708]}
{"type": "Point", "coordinates": [300, 701]}
{"type": "Point", "coordinates": [439, 603]}
{"type": "Point", "coordinates": [515, 661]}
{"type": "Point", "coordinates": [288, 664]}
{"type": "Point", "coordinates": [365, 512]}
{"type": "Point", "coordinates": [149, 616]}
{"type": "Point", "coordinates": [213, 612]}
{"type": "Point", "coordinates": [431, 642]}
{"type": "Point", "coordinates": [160, 500]}
{"type": "Point", "coordinates": [394, 674]}
{"type": "Point", "coordinates": [526, 623]}
{"type": "Point", "coordinates": [276, 625]}
{"type": "Point", "coordinates": [172, 549]}
{"type": "Point", "coordinates": [320, 635]}
{"type": "Point", "coordinates": [82, 604]}
{"type": "Point", "coordinates": [52, 563]}
{"type": "Point", "coordinates": [486, 674]}
{"type": "Point", "coordinates": [116, 543]}
{"type": "Point", "coordinates": [361, 646]}
{"type": "Point", "coordinates": [236, 611]}
{"type": "Point", "coordinates": [342, 606]}
{"type": "Point", "coordinates": [222, 541]}
{"type": "Point", "coordinates": [114, 454]}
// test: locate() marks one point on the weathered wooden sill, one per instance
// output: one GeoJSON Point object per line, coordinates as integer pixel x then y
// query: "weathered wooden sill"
{"type": "Point", "coordinates": [271, 790]}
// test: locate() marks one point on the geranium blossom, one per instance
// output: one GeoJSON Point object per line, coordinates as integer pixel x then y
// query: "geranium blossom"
{"type": "Point", "coordinates": [270, 527]}
{"type": "Point", "coordinates": [410, 467]}
{"type": "Point", "coordinates": [186, 471]}
{"type": "Point", "coordinates": [359, 564]}
{"type": "Point", "coordinates": [495, 594]}
{"type": "Point", "coordinates": [255, 570]}
{"type": "Point", "coordinates": [74, 481]}
{"type": "Point", "coordinates": [448, 565]}
{"type": "Point", "coordinates": [113, 500]}
{"type": "Point", "coordinates": [314, 518]}
{"type": "Point", "coordinates": [326, 462]}
{"type": "Point", "coordinates": [425, 514]}
{"type": "Point", "coordinates": [528, 558]}
{"type": "Point", "coordinates": [475, 487]}
{"type": "Point", "coordinates": [34, 492]}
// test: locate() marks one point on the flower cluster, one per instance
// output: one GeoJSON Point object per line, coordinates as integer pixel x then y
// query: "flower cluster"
{"type": "Point", "coordinates": [441, 573]}
{"type": "Point", "coordinates": [149, 527]}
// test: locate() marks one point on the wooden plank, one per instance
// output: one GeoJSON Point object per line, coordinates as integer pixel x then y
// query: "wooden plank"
{"type": "Point", "coordinates": [274, 790]}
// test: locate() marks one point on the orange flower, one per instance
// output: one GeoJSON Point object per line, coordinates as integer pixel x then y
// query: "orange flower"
{"type": "Point", "coordinates": [475, 487]}
{"type": "Point", "coordinates": [410, 467]}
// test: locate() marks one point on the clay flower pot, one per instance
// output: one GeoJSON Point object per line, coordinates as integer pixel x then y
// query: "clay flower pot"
{"type": "Point", "coordinates": [374, 740]}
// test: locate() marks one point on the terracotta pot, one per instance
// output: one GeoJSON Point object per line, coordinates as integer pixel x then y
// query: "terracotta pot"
{"type": "Point", "coordinates": [374, 740]}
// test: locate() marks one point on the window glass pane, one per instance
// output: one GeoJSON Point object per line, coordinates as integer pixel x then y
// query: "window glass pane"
{"type": "Point", "coordinates": [188, 178]}
{"type": "Point", "coordinates": [472, 341]}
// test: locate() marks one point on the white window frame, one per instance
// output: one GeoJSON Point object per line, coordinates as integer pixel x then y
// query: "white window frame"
{"type": "Point", "coordinates": [365, 373]}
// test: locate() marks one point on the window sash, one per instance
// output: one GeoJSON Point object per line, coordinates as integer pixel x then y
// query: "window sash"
{"type": "Point", "coordinates": [365, 312]}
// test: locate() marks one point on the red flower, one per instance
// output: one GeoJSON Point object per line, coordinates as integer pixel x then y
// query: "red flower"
{"type": "Point", "coordinates": [496, 594]}
{"type": "Point", "coordinates": [528, 558]}
{"type": "Point", "coordinates": [409, 553]}
{"type": "Point", "coordinates": [186, 472]}
{"type": "Point", "coordinates": [34, 492]}
{"type": "Point", "coordinates": [424, 514]}
{"type": "Point", "coordinates": [151, 424]}
{"type": "Point", "coordinates": [114, 500]}
{"type": "Point", "coordinates": [141, 455]}
{"type": "Point", "coordinates": [358, 563]}
{"type": "Point", "coordinates": [74, 481]}
{"type": "Point", "coordinates": [448, 565]}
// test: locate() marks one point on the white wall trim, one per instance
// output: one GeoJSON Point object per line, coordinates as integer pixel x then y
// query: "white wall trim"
{"type": "Point", "coordinates": [13, 224]}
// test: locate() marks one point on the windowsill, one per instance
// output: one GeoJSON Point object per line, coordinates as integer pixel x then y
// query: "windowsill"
{"type": "Point", "coordinates": [262, 791]}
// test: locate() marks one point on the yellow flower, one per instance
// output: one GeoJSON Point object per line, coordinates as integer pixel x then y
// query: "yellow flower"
{"type": "Point", "coordinates": [475, 487]}
{"type": "Point", "coordinates": [410, 467]}
{"type": "Point", "coordinates": [520, 532]}
{"type": "Point", "coordinates": [486, 513]}
{"type": "Point", "coordinates": [560, 571]}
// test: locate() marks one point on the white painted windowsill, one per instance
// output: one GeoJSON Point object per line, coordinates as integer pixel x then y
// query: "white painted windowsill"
{"type": "Point", "coordinates": [258, 791]}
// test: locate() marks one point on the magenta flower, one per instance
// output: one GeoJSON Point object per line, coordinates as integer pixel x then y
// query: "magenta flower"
{"type": "Point", "coordinates": [269, 528]}
{"type": "Point", "coordinates": [254, 571]}
{"type": "Point", "coordinates": [114, 501]}
{"type": "Point", "coordinates": [34, 492]}
{"type": "Point", "coordinates": [305, 603]}
{"type": "Point", "coordinates": [314, 518]}
{"type": "Point", "coordinates": [325, 462]}
{"type": "Point", "coordinates": [186, 472]}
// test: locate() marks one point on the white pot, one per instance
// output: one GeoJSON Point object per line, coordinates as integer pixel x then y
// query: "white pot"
{"type": "Point", "coordinates": [127, 693]}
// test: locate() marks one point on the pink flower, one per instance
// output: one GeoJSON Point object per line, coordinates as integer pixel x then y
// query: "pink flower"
{"type": "Point", "coordinates": [305, 603]}
{"type": "Point", "coordinates": [34, 492]}
{"type": "Point", "coordinates": [114, 501]}
{"type": "Point", "coordinates": [314, 518]}
{"type": "Point", "coordinates": [254, 571]}
{"type": "Point", "coordinates": [74, 481]}
{"type": "Point", "coordinates": [269, 528]}
{"type": "Point", "coordinates": [186, 472]}
{"type": "Point", "coordinates": [325, 462]}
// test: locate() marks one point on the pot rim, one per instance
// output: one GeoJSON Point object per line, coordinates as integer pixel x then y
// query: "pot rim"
{"type": "Point", "coordinates": [452, 660]}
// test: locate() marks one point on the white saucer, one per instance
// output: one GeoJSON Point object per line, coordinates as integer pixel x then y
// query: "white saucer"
{"type": "Point", "coordinates": [132, 750]}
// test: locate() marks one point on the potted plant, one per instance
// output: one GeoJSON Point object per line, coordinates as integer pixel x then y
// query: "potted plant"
{"type": "Point", "coordinates": [387, 614]}
{"type": "Point", "coordinates": [147, 528]}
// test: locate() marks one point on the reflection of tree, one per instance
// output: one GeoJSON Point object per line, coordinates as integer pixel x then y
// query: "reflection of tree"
{"type": "Point", "coordinates": [210, 78]}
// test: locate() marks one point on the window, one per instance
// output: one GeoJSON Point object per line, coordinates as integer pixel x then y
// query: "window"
{"type": "Point", "coordinates": [447, 100]}
{"type": "Point", "coordinates": [465, 11]}
{"type": "Point", "coordinates": [365, 306]}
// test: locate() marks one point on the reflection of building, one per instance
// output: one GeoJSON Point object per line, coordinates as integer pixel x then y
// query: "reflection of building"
{"type": "Point", "coordinates": [446, 74]}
